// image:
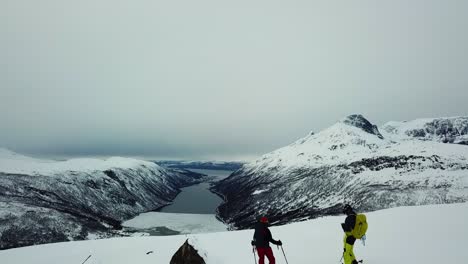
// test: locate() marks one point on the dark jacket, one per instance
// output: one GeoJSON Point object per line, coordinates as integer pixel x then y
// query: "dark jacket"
{"type": "Point", "coordinates": [262, 236]}
{"type": "Point", "coordinates": [348, 226]}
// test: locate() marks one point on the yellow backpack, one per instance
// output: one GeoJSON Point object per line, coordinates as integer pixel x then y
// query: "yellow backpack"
{"type": "Point", "coordinates": [360, 227]}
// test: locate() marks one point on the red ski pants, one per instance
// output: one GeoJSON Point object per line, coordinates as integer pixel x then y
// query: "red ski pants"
{"type": "Point", "coordinates": [265, 251]}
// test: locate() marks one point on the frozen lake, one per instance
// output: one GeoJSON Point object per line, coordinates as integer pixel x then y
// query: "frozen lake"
{"type": "Point", "coordinates": [193, 211]}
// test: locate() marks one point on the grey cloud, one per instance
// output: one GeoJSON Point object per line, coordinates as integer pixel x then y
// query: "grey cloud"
{"type": "Point", "coordinates": [206, 78]}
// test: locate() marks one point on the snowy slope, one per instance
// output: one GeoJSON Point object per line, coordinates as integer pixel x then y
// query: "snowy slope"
{"type": "Point", "coordinates": [350, 161]}
{"type": "Point", "coordinates": [400, 235]}
{"type": "Point", "coordinates": [14, 163]}
{"type": "Point", "coordinates": [49, 201]}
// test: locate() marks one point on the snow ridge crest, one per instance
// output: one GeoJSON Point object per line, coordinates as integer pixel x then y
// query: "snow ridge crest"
{"type": "Point", "coordinates": [361, 122]}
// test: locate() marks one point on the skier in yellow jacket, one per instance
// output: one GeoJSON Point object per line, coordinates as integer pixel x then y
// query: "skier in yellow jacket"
{"type": "Point", "coordinates": [349, 239]}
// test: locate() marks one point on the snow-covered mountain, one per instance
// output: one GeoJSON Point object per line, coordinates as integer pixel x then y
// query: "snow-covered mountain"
{"type": "Point", "coordinates": [411, 233]}
{"type": "Point", "coordinates": [350, 161]}
{"type": "Point", "coordinates": [49, 201]}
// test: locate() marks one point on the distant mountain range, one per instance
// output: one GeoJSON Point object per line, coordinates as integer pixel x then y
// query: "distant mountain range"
{"type": "Point", "coordinates": [44, 201]}
{"type": "Point", "coordinates": [418, 162]}
{"type": "Point", "coordinates": [201, 165]}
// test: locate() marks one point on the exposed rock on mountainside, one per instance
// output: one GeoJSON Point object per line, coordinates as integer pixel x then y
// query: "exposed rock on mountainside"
{"type": "Point", "coordinates": [445, 130]}
{"type": "Point", "coordinates": [47, 201]}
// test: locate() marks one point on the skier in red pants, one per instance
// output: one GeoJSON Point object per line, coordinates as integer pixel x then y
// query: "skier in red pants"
{"type": "Point", "coordinates": [261, 240]}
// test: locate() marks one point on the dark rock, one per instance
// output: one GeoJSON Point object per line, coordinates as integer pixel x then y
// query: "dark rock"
{"type": "Point", "coordinates": [360, 122]}
{"type": "Point", "coordinates": [446, 130]}
{"type": "Point", "coordinates": [187, 254]}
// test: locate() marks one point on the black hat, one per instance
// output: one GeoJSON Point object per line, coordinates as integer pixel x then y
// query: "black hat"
{"type": "Point", "coordinates": [347, 208]}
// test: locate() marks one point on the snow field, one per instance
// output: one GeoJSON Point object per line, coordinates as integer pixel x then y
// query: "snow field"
{"type": "Point", "coordinates": [427, 234]}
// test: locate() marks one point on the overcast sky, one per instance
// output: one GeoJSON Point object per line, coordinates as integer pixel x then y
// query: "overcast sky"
{"type": "Point", "coordinates": [220, 79]}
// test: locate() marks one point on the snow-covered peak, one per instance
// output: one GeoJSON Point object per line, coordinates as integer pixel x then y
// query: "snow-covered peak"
{"type": "Point", "coordinates": [352, 138]}
{"type": "Point", "coordinates": [359, 121]}
{"type": "Point", "coordinates": [352, 129]}
{"type": "Point", "coordinates": [445, 130]}
{"type": "Point", "coordinates": [11, 162]}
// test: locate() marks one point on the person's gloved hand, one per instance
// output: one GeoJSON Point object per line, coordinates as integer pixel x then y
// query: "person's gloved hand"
{"type": "Point", "coordinates": [280, 243]}
{"type": "Point", "coordinates": [252, 243]}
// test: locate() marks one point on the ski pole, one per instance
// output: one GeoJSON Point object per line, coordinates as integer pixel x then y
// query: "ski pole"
{"type": "Point", "coordinates": [284, 254]}
{"type": "Point", "coordinates": [86, 259]}
{"type": "Point", "coordinates": [342, 256]}
{"type": "Point", "coordinates": [255, 257]}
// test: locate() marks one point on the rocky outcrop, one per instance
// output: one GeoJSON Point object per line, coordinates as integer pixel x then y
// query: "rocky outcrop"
{"type": "Point", "coordinates": [360, 122]}
{"type": "Point", "coordinates": [452, 130]}
{"type": "Point", "coordinates": [187, 254]}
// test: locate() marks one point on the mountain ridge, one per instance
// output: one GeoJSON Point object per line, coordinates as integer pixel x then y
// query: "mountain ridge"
{"type": "Point", "coordinates": [44, 201]}
{"type": "Point", "coordinates": [445, 130]}
{"type": "Point", "coordinates": [344, 163]}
